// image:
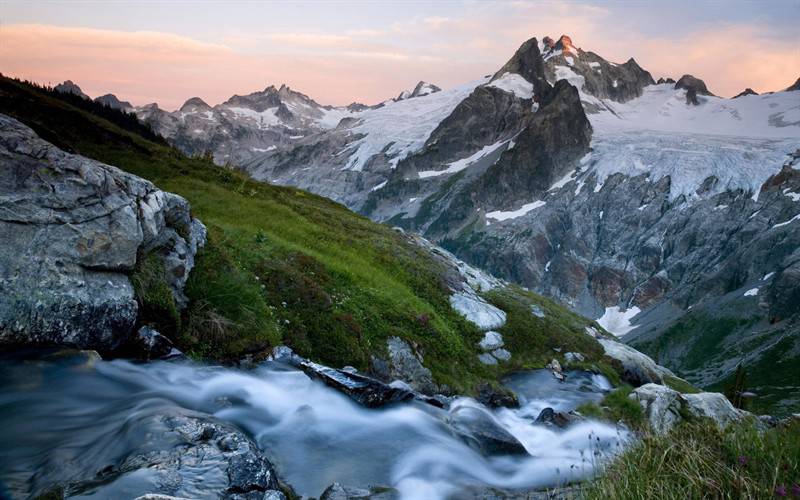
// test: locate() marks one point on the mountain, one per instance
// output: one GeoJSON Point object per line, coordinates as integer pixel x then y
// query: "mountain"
{"type": "Point", "coordinates": [244, 126]}
{"type": "Point", "coordinates": [112, 101]}
{"type": "Point", "coordinates": [67, 87]}
{"type": "Point", "coordinates": [652, 207]}
{"type": "Point", "coordinates": [421, 89]}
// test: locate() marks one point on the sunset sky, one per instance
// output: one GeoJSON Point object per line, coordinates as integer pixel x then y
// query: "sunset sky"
{"type": "Point", "coordinates": [339, 52]}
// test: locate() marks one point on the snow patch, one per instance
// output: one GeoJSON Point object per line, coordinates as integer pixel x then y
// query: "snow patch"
{"type": "Point", "coordinates": [514, 84]}
{"type": "Point", "coordinates": [513, 214]}
{"type": "Point", "coordinates": [618, 321]}
{"type": "Point", "coordinates": [460, 165]}
{"type": "Point", "coordinates": [752, 292]}
{"type": "Point", "coordinates": [379, 186]}
{"type": "Point", "coordinates": [767, 276]}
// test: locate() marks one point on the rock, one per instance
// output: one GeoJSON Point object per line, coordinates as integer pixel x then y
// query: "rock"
{"type": "Point", "coordinates": [793, 87]}
{"type": "Point", "coordinates": [185, 453]}
{"type": "Point", "coordinates": [408, 367]}
{"type": "Point", "coordinates": [537, 311]}
{"type": "Point", "coordinates": [501, 354]}
{"type": "Point", "coordinates": [558, 419]}
{"type": "Point", "coordinates": [554, 365]}
{"type": "Point", "coordinates": [149, 344]}
{"type": "Point", "coordinates": [665, 407]}
{"type": "Point", "coordinates": [713, 405]}
{"type": "Point", "coordinates": [476, 310]}
{"type": "Point", "coordinates": [72, 229]}
{"type": "Point", "coordinates": [661, 406]}
{"type": "Point", "coordinates": [482, 432]}
{"type": "Point", "coordinates": [574, 357]}
{"type": "Point", "coordinates": [691, 97]}
{"type": "Point", "coordinates": [338, 492]}
{"type": "Point", "coordinates": [491, 340]}
{"type": "Point", "coordinates": [689, 82]}
{"type": "Point", "coordinates": [362, 389]}
{"type": "Point", "coordinates": [747, 91]}
{"type": "Point", "coordinates": [487, 359]}
{"type": "Point", "coordinates": [496, 397]}
{"type": "Point", "coordinates": [637, 368]}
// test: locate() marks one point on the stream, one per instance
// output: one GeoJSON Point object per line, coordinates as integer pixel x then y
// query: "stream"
{"type": "Point", "coordinates": [65, 416]}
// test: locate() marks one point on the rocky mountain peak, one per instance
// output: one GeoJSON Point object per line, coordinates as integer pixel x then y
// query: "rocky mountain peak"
{"type": "Point", "coordinates": [565, 44]}
{"type": "Point", "coordinates": [68, 87]}
{"type": "Point", "coordinates": [747, 91]}
{"type": "Point", "coordinates": [421, 89]}
{"type": "Point", "coordinates": [112, 101]}
{"type": "Point", "coordinates": [527, 62]}
{"type": "Point", "coordinates": [195, 104]}
{"type": "Point", "coordinates": [665, 80]}
{"type": "Point", "coordinates": [689, 83]}
{"type": "Point", "coordinates": [794, 86]}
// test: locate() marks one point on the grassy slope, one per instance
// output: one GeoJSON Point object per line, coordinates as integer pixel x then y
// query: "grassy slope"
{"type": "Point", "coordinates": [286, 266]}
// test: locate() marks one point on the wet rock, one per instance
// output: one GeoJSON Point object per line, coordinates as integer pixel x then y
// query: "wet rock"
{"type": "Point", "coordinates": [558, 419]}
{"type": "Point", "coordinates": [71, 230]}
{"type": "Point", "coordinates": [149, 344]}
{"type": "Point", "coordinates": [482, 432]}
{"type": "Point", "coordinates": [337, 491]}
{"type": "Point", "coordinates": [179, 446]}
{"type": "Point", "coordinates": [362, 389]}
{"type": "Point", "coordinates": [491, 340]}
{"type": "Point", "coordinates": [407, 366]}
{"type": "Point", "coordinates": [495, 397]}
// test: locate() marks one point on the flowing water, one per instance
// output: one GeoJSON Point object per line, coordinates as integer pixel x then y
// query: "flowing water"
{"type": "Point", "coordinates": [62, 415]}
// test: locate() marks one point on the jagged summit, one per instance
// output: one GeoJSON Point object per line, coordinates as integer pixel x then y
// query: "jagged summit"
{"type": "Point", "coordinates": [528, 63]}
{"type": "Point", "coordinates": [795, 86]}
{"type": "Point", "coordinates": [421, 89]}
{"type": "Point", "coordinates": [747, 91]}
{"type": "Point", "coordinates": [195, 104]}
{"type": "Point", "coordinates": [665, 80]}
{"type": "Point", "coordinates": [112, 101]}
{"type": "Point", "coordinates": [68, 87]}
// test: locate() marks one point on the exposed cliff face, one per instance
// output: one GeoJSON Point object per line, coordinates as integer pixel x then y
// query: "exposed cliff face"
{"type": "Point", "coordinates": [72, 230]}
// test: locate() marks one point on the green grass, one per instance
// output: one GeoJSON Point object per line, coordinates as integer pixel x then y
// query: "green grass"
{"type": "Point", "coordinates": [699, 460]}
{"type": "Point", "coordinates": [615, 407]}
{"type": "Point", "coordinates": [286, 266]}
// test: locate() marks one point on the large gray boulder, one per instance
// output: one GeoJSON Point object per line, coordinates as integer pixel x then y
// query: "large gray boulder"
{"type": "Point", "coordinates": [72, 229]}
{"type": "Point", "coordinates": [664, 408]}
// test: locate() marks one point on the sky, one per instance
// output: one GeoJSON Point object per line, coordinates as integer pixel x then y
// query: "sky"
{"type": "Point", "coordinates": [340, 52]}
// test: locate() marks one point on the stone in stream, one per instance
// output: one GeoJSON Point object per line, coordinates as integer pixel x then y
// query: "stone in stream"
{"type": "Point", "coordinates": [183, 453]}
{"type": "Point", "coordinates": [559, 419]}
{"type": "Point", "coordinates": [495, 397]}
{"type": "Point", "coordinates": [478, 428]}
{"type": "Point", "coordinates": [406, 365]}
{"type": "Point", "coordinates": [337, 491]}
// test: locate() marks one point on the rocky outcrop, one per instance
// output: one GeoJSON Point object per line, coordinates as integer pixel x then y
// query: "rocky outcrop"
{"type": "Point", "coordinates": [636, 368]}
{"type": "Point", "coordinates": [793, 87]}
{"type": "Point", "coordinates": [690, 83]}
{"type": "Point", "coordinates": [664, 408]}
{"type": "Point", "coordinates": [72, 231]}
{"type": "Point", "coordinates": [747, 91]}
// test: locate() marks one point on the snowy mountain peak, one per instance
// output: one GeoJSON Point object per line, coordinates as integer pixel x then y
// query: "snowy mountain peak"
{"type": "Point", "coordinates": [747, 91]}
{"type": "Point", "coordinates": [68, 87]}
{"type": "Point", "coordinates": [527, 62]}
{"type": "Point", "coordinates": [565, 44]}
